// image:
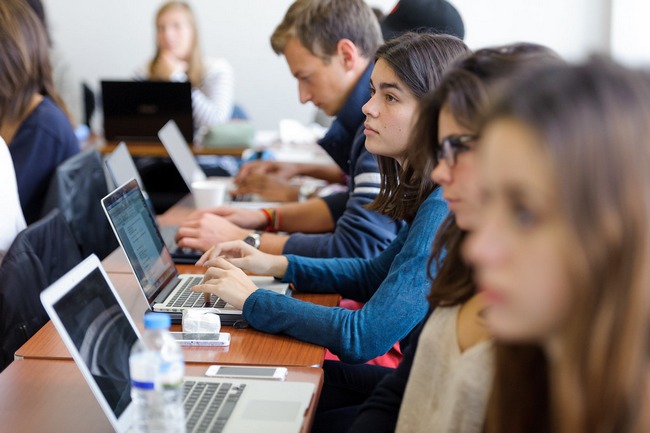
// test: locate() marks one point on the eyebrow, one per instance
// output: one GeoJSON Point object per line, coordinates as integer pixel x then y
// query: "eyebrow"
{"type": "Point", "coordinates": [384, 86]}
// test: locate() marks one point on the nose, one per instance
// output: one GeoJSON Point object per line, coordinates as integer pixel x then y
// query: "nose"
{"type": "Point", "coordinates": [370, 108]}
{"type": "Point", "coordinates": [442, 173]}
{"type": "Point", "coordinates": [303, 93]}
{"type": "Point", "coordinates": [484, 247]}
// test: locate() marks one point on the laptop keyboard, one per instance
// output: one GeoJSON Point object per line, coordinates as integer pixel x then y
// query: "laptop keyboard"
{"type": "Point", "coordinates": [186, 298]}
{"type": "Point", "coordinates": [208, 405]}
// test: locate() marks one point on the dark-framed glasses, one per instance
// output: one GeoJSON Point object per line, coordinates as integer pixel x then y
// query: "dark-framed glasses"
{"type": "Point", "coordinates": [452, 146]}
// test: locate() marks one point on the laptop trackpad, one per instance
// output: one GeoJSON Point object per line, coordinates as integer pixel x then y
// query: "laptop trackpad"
{"type": "Point", "coordinates": [266, 410]}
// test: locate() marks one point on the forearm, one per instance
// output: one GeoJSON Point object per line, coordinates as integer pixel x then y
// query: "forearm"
{"type": "Point", "coordinates": [329, 172]}
{"type": "Point", "coordinates": [272, 243]}
{"type": "Point", "coordinates": [312, 216]}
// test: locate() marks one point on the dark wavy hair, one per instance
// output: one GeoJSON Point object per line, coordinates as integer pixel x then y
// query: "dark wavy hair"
{"type": "Point", "coordinates": [465, 91]}
{"type": "Point", "coordinates": [419, 61]}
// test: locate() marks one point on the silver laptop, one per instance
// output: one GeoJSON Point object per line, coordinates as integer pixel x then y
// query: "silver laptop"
{"type": "Point", "coordinates": [190, 170]}
{"type": "Point", "coordinates": [99, 333]}
{"type": "Point", "coordinates": [165, 290]}
{"type": "Point", "coordinates": [121, 169]}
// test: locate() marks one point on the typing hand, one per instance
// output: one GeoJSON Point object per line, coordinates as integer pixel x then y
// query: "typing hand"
{"type": "Point", "coordinates": [282, 170]}
{"type": "Point", "coordinates": [245, 257]}
{"type": "Point", "coordinates": [246, 218]}
{"type": "Point", "coordinates": [208, 230]}
{"type": "Point", "coordinates": [226, 281]}
{"type": "Point", "coordinates": [269, 187]}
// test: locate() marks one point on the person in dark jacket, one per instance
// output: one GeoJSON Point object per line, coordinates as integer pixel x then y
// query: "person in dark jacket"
{"type": "Point", "coordinates": [329, 47]}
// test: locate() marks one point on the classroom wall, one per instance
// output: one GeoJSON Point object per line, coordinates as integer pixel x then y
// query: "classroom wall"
{"type": "Point", "coordinates": [111, 38]}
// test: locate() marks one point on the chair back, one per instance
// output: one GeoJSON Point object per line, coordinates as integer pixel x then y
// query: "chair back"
{"type": "Point", "coordinates": [76, 189]}
{"type": "Point", "coordinates": [39, 255]}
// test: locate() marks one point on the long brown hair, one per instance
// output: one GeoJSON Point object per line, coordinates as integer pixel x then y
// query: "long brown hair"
{"type": "Point", "coordinates": [464, 91]}
{"type": "Point", "coordinates": [195, 71]}
{"type": "Point", "coordinates": [25, 68]}
{"type": "Point", "coordinates": [593, 123]}
{"type": "Point", "coordinates": [419, 61]}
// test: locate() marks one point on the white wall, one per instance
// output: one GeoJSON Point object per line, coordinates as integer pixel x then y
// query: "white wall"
{"type": "Point", "coordinates": [110, 38]}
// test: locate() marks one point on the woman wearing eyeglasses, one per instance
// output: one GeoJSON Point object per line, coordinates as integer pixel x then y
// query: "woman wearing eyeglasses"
{"type": "Point", "coordinates": [444, 385]}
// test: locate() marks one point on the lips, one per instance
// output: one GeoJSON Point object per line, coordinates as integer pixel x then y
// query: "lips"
{"type": "Point", "coordinates": [369, 129]}
{"type": "Point", "coordinates": [492, 295]}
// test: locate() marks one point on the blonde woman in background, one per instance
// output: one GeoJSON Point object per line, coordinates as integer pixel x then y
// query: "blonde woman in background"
{"type": "Point", "coordinates": [178, 58]}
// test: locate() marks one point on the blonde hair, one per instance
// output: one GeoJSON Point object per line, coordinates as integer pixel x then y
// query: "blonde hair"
{"type": "Point", "coordinates": [195, 72]}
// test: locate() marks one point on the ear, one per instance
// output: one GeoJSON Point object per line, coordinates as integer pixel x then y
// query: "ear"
{"type": "Point", "coordinates": [348, 53]}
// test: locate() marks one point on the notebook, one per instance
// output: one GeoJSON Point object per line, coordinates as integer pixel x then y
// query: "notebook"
{"type": "Point", "coordinates": [165, 290]}
{"type": "Point", "coordinates": [121, 169]}
{"type": "Point", "coordinates": [136, 110]}
{"type": "Point", "coordinates": [190, 170]}
{"type": "Point", "coordinates": [99, 333]}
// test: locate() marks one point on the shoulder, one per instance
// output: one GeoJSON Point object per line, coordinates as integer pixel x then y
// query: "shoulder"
{"type": "Point", "coordinates": [48, 120]}
{"type": "Point", "coordinates": [216, 65]}
{"type": "Point", "coordinates": [433, 207]}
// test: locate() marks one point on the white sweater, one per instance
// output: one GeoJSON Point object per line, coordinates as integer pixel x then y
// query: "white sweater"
{"type": "Point", "coordinates": [11, 216]}
{"type": "Point", "coordinates": [447, 390]}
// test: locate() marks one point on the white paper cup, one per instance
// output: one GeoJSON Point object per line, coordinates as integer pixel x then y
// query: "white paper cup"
{"type": "Point", "coordinates": [209, 193]}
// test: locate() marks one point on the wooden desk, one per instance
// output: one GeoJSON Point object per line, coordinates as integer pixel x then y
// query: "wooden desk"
{"type": "Point", "coordinates": [247, 346]}
{"type": "Point", "coordinates": [154, 148]}
{"type": "Point", "coordinates": [52, 396]}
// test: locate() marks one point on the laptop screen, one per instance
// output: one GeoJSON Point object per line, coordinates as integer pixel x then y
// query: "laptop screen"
{"type": "Point", "coordinates": [138, 233]}
{"type": "Point", "coordinates": [136, 110]}
{"type": "Point", "coordinates": [101, 332]}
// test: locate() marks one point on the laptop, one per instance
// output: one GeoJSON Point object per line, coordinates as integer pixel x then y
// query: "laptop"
{"type": "Point", "coordinates": [99, 333]}
{"type": "Point", "coordinates": [121, 169]}
{"type": "Point", "coordinates": [136, 110]}
{"type": "Point", "coordinates": [164, 288]}
{"type": "Point", "coordinates": [179, 151]}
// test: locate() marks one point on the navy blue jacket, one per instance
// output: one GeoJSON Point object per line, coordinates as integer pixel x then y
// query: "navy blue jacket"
{"type": "Point", "coordinates": [42, 142]}
{"type": "Point", "coordinates": [358, 231]}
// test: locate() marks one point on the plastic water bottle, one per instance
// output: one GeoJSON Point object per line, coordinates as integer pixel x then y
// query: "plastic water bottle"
{"type": "Point", "coordinates": [157, 368]}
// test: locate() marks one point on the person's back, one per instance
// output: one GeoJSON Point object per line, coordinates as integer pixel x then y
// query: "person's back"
{"type": "Point", "coordinates": [32, 117]}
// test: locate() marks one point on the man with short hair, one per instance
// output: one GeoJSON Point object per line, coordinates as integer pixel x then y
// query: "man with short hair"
{"type": "Point", "coordinates": [329, 46]}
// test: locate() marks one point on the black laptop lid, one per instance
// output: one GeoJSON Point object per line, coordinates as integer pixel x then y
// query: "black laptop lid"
{"type": "Point", "coordinates": [136, 110]}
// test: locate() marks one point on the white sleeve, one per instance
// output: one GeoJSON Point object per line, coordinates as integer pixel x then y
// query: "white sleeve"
{"type": "Point", "coordinates": [213, 100]}
{"type": "Point", "coordinates": [11, 217]}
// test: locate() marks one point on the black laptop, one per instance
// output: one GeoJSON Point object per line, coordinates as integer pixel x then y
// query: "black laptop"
{"type": "Point", "coordinates": [136, 110]}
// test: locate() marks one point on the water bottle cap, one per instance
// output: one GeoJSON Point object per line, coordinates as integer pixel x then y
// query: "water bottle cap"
{"type": "Point", "coordinates": [157, 321]}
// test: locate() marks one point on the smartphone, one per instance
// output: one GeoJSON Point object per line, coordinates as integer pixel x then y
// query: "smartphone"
{"type": "Point", "coordinates": [202, 339]}
{"type": "Point", "coordinates": [247, 372]}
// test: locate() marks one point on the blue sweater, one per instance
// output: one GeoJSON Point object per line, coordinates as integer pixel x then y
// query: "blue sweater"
{"type": "Point", "coordinates": [358, 232]}
{"type": "Point", "coordinates": [393, 286]}
{"type": "Point", "coordinates": [42, 142]}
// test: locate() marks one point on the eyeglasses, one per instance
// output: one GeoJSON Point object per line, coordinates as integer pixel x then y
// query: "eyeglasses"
{"type": "Point", "coordinates": [452, 146]}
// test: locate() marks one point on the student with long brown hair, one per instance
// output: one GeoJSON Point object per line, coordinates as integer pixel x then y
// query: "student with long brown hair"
{"type": "Point", "coordinates": [33, 119]}
{"type": "Point", "coordinates": [563, 248]}
{"type": "Point", "coordinates": [393, 284]}
{"type": "Point", "coordinates": [444, 379]}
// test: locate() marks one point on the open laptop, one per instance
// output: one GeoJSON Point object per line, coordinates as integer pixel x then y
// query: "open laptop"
{"type": "Point", "coordinates": [99, 333]}
{"type": "Point", "coordinates": [165, 290]}
{"type": "Point", "coordinates": [190, 170]}
{"type": "Point", "coordinates": [121, 169]}
{"type": "Point", "coordinates": [136, 110]}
